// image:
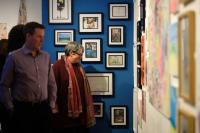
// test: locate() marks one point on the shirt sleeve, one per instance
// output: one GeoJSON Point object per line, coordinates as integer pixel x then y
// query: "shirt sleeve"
{"type": "Point", "coordinates": [6, 81]}
{"type": "Point", "coordinates": [52, 88]}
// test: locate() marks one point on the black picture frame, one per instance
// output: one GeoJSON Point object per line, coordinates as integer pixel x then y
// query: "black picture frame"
{"type": "Point", "coordinates": [139, 54]}
{"type": "Point", "coordinates": [118, 11]}
{"type": "Point", "coordinates": [92, 50]}
{"type": "Point", "coordinates": [90, 22]}
{"type": "Point", "coordinates": [99, 109]}
{"type": "Point", "coordinates": [101, 83]}
{"type": "Point", "coordinates": [139, 72]}
{"type": "Point", "coordinates": [63, 36]}
{"type": "Point", "coordinates": [119, 116]}
{"type": "Point", "coordinates": [115, 60]}
{"type": "Point", "coordinates": [139, 33]}
{"type": "Point", "coordinates": [58, 18]}
{"type": "Point", "coordinates": [116, 35]}
{"type": "Point", "coordinates": [60, 54]}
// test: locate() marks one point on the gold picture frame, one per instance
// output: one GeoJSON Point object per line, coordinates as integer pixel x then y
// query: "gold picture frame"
{"type": "Point", "coordinates": [185, 2]}
{"type": "Point", "coordinates": [186, 122]}
{"type": "Point", "coordinates": [186, 42]}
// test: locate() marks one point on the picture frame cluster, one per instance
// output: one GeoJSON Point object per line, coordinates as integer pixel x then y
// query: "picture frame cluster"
{"type": "Point", "coordinates": [90, 23]}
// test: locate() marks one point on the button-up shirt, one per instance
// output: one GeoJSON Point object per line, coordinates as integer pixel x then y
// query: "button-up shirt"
{"type": "Point", "coordinates": [27, 78]}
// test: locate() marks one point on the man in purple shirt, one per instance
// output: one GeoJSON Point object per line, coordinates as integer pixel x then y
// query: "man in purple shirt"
{"type": "Point", "coordinates": [27, 87]}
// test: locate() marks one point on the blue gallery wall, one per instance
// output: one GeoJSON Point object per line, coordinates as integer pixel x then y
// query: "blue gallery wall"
{"type": "Point", "coordinates": [123, 78]}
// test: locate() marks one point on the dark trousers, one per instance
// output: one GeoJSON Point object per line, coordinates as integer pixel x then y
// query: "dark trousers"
{"type": "Point", "coordinates": [5, 120]}
{"type": "Point", "coordinates": [72, 130]}
{"type": "Point", "coordinates": [31, 117]}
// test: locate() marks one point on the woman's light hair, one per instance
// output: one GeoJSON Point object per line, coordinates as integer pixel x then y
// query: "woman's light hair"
{"type": "Point", "coordinates": [73, 46]}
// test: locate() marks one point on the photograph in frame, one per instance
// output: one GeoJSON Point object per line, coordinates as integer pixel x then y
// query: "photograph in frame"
{"type": "Point", "coordinates": [118, 11]}
{"type": "Point", "coordinates": [90, 22]}
{"type": "Point", "coordinates": [98, 109]}
{"type": "Point", "coordinates": [60, 11]}
{"type": "Point", "coordinates": [92, 50]}
{"type": "Point", "coordinates": [115, 60]}
{"type": "Point", "coordinates": [62, 37]}
{"type": "Point", "coordinates": [101, 83]}
{"type": "Point", "coordinates": [118, 116]}
{"type": "Point", "coordinates": [116, 35]}
{"type": "Point", "coordinates": [60, 54]}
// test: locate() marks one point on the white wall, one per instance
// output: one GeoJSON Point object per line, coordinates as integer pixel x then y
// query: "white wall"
{"type": "Point", "coordinates": [155, 121]}
{"type": "Point", "coordinates": [9, 11]}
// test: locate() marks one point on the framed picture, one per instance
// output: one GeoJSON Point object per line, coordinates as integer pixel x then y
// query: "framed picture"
{"type": "Point", "coordinates": [60, 54]}
{"type": "Point", "coordinates": [118, 11]}
{"type": "Point", "coordinates": [98, 109]}
{"type": "Point", "coordinates": [116, 35]}
{"type": "Point", "coordinates": [139, 85]}
{"type": "Point", "coordinates": [62, 37]}
{"type": "Point", "coordinates": [186, 122]}
{"type": "Point", "coordinates": [101, 83]}
{"type": "Point", "coordinates": [90, 22]}
{"type": "Point", "coordinates": [92, 50]}
{"type": "Point", "coordinates": [115, 60]}
{"type": "Point", "coordinates": [119, 116]}
{"type": "Point", "coordinates": [185, 2]}
{"type": "Point", "coordinates": [60, 11]}
{"type": "Point", "coordinates": [186, 42]}
{"type": "Point", "coordinates": [138, 54]}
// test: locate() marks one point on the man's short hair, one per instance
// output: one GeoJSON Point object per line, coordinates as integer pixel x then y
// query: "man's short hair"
{"type": "Point", "coordinates": [31, 26]}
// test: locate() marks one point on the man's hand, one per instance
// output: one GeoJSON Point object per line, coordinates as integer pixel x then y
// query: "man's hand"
{"type": "Point", "coordinates": [55, 109]}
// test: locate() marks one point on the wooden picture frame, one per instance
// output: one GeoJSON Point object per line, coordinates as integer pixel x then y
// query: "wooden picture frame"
{"type": "Point", "coordinates": [118, 11]}
{"type": "Point", "coordinates": [92, 50]}
{"type": "Point", "coordinates": [116, 35]}
{"type": "Point", "coordinates": [90, 22]}
{"type": "Point", "coordinates": [63, 36]}
{"type": "Point", "coordinates": [115, 60]}
{"type": "Point", "coordinates": [101, 83]}
{"type": "Point", "coordinates": [186, 42]}
{"type": "Point", "coordinates": [185, 2]}
{"type": "Point", "coordinates": [60, 11]}
{"type": "Point", "coordinates": [99, 109]}
{"type": "Point", "coordinates": [186, 122]}
{"type": "Point", "coordinates": [118, 116]}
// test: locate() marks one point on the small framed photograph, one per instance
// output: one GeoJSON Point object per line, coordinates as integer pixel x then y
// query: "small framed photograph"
{"type": "Point", "coordinates": [90, 22]}
{"type": "Point", "coordinates": [60, 54]}
{"type": "Point", "coordinates": [186, 61]}
{"type": "Point", "coordinates": [116, 35]}
{"type": "Point", "coordinates": [186, 122]}
{"type": "Point", "coordinates": [115, 60]}
{"type": "Point", "coordinates": [60, 11]}
{"type": "Point", "coordinates": [92, 50]}
{"type": "Point", "coordinates": [62, 37]}
{"type": "Point", "coordinates": [119, 116]}
{"type": "Point", "coordinates": [101, 83]}
{"type": "Point", "coordinates": [98, 109]}
{"type": "Point", "coordinates": [118, 11]}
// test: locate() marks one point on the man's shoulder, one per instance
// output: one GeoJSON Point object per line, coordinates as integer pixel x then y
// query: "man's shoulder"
{"type": "Point", "coordinates": [44, 53]}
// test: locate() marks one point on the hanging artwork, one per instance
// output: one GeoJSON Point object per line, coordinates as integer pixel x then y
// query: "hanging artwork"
{"type": "Point", "coordinates": [60, 11]}
{"type": "Point", "coordinates": [22, 18]}
{"type": "Point", "coordinates": [158, 20]}
{"type": "Point", "coordinates": [3, 31]}
{"type": "Point", "coordinates": [174, 6]}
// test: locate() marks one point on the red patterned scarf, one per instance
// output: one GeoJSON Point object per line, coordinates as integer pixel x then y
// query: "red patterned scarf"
{"type": "Point", "coordinates": [74, 98]}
